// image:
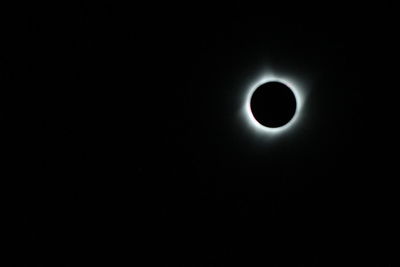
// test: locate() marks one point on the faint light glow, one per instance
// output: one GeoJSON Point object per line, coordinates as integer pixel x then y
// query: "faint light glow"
{"type": "Point", "coordinates": [299, 94]}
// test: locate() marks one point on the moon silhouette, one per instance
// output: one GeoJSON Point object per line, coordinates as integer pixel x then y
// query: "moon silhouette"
{"type": "Point", "coordinates": [273, 104]}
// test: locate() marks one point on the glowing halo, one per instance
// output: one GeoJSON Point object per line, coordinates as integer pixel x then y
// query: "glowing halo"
{"type": "Point", "coordinates": [253, 124]}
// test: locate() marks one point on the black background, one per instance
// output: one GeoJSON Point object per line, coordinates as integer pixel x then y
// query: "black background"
{"type": "Point", "coordinates": [121, 134]}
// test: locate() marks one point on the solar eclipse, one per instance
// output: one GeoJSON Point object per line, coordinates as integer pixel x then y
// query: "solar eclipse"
{"type": "Point", "coordinates": [273, 104]}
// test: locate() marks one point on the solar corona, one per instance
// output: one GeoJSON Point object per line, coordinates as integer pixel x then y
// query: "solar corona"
{"type": "Point", "coordinates": [273, 86]}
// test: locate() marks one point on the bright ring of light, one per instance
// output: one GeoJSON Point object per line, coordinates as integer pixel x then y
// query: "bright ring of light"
{"type": "Point", "coordinates": [254, 124]}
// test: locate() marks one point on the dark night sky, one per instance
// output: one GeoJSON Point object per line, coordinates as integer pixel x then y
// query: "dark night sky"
{"type": "Point", "coordinates": [121, 126]}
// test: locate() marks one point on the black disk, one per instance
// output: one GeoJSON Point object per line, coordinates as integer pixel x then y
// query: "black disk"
{"type": "Point", "coordinates": [273, 104]}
